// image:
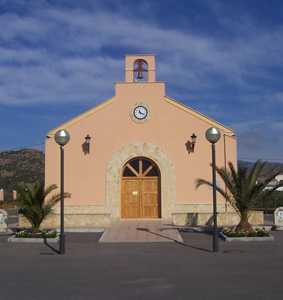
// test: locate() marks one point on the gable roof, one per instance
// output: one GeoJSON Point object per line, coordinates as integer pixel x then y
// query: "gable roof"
{"type": "Point", "coordinates": [80, 117]}
{"type": "Point", "coordinates": [199, 115]}
{"type": "Point", "coordinates": [172, 101]}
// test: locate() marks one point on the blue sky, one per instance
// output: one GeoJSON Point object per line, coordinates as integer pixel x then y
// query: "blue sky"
{"type": "Point", "coordinates": [223, 58]}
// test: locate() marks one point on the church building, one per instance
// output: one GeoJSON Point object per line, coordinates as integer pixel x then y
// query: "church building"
{"type": "Point", "coordinates": [137, 155]}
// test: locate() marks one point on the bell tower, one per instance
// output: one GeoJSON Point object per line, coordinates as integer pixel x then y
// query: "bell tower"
{"type": "Point", "coordinates": [140, 68]}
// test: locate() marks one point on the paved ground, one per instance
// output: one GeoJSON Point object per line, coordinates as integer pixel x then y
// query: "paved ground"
{"type": "Point", "coordinates": [92, 270]}
{"type": "Point", "coordinates": [140, 231]}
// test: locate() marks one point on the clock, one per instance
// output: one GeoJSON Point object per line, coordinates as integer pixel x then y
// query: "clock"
{"type": "Point", "coordinates": [140, 112]}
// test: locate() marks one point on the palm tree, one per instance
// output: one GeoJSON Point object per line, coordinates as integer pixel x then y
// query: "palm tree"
{"type": "Point", "coordinates": [243, 189]}
{"type": "Point", "coordinates": [32, 202]}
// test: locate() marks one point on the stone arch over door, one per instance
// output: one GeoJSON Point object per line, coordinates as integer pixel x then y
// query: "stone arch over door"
{"type": "Point", "coordinates": [114, 176]}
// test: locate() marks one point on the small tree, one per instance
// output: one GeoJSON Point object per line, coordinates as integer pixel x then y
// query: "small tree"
{"type": "Point", "coordinates": [244, 189]}
{"type": "Point", "coordinates": [33, 204]}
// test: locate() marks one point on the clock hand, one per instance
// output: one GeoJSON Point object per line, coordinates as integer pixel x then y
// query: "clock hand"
{"type": "Point", "coordinates": [141, 113]}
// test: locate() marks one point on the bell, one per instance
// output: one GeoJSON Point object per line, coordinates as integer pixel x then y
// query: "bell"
{"type": "Point", "coordinates": [140, 68]}
{"type": "Point", "coordinates": [140, 76]}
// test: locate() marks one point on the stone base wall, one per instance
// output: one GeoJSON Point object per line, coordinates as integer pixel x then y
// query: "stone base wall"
{"type": "Point", "coordinates": [105, 220]}
{"type": "Point", "coordinates": [84, 216]}
{"type": "Point", "coordinates": [3, 227]}
{"type": "Point", "coordinates": [223, 218]}
{"type": "Point", "coordinates": [72, 221]}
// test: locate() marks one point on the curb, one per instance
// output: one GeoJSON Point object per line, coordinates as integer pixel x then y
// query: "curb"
{"type": "Point", "coordinates": [14, 239]}
{"type": "Point", "coordinates": [246, 239]}
{"type": "Point", "coordinates": [83, 230]}
{"type": "Point", "coordinates": [202, 229]}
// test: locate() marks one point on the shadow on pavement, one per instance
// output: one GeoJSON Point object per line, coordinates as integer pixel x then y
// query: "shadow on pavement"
{"type": "Point", "coordinates": [176, 241]}
{"type": "Point", "coordinates": [51, 248]}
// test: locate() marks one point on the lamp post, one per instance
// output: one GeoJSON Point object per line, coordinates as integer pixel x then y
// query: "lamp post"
{"type": "Point", "coordinates": [62, 137]}
{"type": "Point", "coordinates": [213, 135]}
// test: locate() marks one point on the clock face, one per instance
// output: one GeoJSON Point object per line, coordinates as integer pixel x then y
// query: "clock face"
{"type": "Point", "coordinates": [140, 112]}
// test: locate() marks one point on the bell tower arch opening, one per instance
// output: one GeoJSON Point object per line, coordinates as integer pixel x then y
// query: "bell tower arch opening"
{"type": "Point", "coordinates": [140, 68]}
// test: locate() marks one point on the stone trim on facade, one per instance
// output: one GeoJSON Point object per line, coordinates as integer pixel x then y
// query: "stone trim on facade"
{"type": "Point", "coordinates": [114, 175]}
{"type": "Point", "coordinates": [206, 218]}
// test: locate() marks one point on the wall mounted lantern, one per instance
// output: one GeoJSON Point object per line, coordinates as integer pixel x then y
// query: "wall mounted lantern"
{"type": "Point", "coordinates": [87, 139]}
{"type": "Point", "coordinates": [86, 144]}
{"type": "Point", "coordinates": [190, 145]}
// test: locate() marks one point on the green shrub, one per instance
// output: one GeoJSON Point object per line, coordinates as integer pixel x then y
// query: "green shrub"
{"type": "Point", "coordinates": [41, 234]}
{"type": "Point", "coordinates": [258, 232]}
{"type": "Point", "coordinates": [33, 203]}
{"type": "Point", "coordinates": [244, 190]}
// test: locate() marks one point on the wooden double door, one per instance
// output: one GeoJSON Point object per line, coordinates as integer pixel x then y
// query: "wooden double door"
{"type": "Point", "coordinates": [140, 190]}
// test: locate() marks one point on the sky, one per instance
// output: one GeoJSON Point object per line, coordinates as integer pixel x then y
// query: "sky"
{"type": "Point", "coordinates": [59, 58]}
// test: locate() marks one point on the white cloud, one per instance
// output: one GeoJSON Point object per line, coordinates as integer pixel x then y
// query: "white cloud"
{"type": "Point", "coordinates": [60, 55]}
{"type": "Point", "coordinates": [275, 98]}
{"type": "Point", "coordinates": [277, 125]}
{"type": "Point", "coordinates": [57, 55]}
{"type": "Point", "coordinates": [15, 27]}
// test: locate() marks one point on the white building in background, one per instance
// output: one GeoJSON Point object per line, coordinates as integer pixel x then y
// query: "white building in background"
{"type": "Point", "coordinates": [273, 183]}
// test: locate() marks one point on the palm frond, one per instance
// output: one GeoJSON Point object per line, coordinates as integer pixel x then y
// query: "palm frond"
{"type": "Point", "coordinates": [33, 203]}
{"type": "Point", "coordinates": [244, 190]}
{"type": "Point", "coordinates": [56, 198]}
{"type": "Point", "coordinates": [200, 182]}
{"type": "Point", "coordinates": [49, 189]}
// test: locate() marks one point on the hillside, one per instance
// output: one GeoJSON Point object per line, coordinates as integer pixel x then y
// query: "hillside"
{"type": "Point", "coordinates": [270, 166]}
{"type": "Point", "coordinates": [26, 165]}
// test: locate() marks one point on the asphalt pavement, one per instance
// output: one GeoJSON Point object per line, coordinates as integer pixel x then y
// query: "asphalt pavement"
{"type": "Point", "coordinates": [92, 270]}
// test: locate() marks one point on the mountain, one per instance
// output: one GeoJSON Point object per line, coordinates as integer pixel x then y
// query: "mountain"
{"type": "Point", "coordinates": [270, 166]}
{"type": "Point", "coordinates": [26, 165]}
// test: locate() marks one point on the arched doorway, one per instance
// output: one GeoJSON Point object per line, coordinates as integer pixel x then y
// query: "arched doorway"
{"type": "Point", "coordinates": [140, 191]}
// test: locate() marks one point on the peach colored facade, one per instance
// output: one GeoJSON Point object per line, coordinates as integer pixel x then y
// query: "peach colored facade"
{"type": "Point", "coordinates": [94, 179]}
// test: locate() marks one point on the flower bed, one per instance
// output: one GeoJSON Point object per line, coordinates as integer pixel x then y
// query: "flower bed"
{"type": "Point", "coordinates": [47, 234]}
{"type": "Point", "coordinates": [257, 234]}
{"type": "Point", "coordinates": [27, 236]}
